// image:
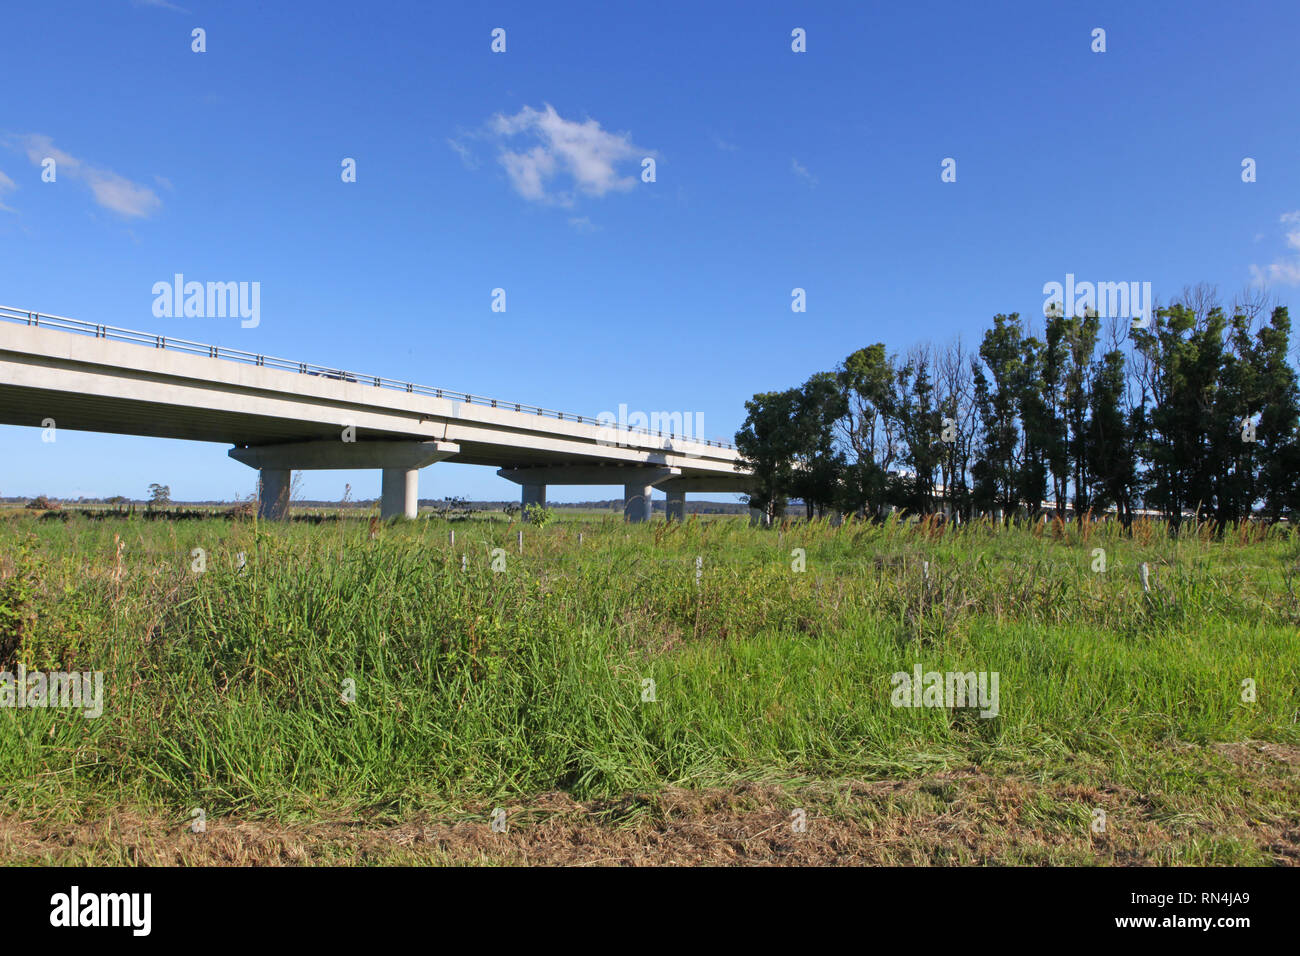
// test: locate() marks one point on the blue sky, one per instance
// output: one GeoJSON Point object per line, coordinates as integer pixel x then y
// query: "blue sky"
{"type": "Point", "coordinates": [521, 170]}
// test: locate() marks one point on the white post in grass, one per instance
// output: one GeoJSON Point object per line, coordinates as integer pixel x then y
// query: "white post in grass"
{"type": "Point", "coordinates": [1146, 577]}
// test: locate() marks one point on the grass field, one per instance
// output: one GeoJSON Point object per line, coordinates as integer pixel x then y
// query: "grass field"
{"type": "Point", "coordinates": [365, 692]}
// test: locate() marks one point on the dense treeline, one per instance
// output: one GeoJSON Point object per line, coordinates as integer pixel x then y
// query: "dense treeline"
{"type": "Point", "coordinates": [1194, 414]}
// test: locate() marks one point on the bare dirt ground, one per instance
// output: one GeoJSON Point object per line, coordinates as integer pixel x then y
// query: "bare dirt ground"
{"type": "Point", "coordinates": [959, 817]}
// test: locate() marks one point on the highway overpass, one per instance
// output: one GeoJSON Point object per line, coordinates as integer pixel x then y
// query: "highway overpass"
{"type": "Point", "coordinates": [281, 416]}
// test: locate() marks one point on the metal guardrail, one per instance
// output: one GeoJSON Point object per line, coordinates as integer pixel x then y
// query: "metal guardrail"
{"type": "Point", "coordinates": [64, 324]}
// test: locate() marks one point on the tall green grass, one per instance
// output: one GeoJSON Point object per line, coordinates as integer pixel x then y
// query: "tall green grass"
{"type": "Point", "coordinates": [226, 688]}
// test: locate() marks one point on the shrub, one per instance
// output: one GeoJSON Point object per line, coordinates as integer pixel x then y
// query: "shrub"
{"type": "Point", "coordinates": [539, 515]}
{"type": "Point", "coordinates": [19, 582]}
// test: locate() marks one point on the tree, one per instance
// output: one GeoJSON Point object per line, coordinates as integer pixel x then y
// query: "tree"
{"type": "Point", "coordinates": [767, 443]}
{"type": "Point", "coordinates": [1175, 436]}
{"type": "Point", "coordinates": [1055, 433]}
{"type": "Point", "coordinates": [999, 400]}
{"type": "Point", "coordinates": [955, 383]}
{"type": "Point", "coordinates": [1111, 458]}
{"type": "Point", "coordinates": [1279, 417]}
{"type": "Point", "coordinates": [159, 495]}
{"type": "Point", "coordinates": [1036, 427]}
{"type": "Point", "coordinates": [921, 427]}
{"type": "Point", "coordinates": [869, 427]}
{"type": "Point", "coordinates": [818, 466]}
{"type": "Point", "coordinates": [1081, 334]}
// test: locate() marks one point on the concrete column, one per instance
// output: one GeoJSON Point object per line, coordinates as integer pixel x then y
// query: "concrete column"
{"type": "Point", "coordinates": [400, 496]}
{"type": "Point", "coordinates": [755, 517]}
{"type": "Point", "coordinates": [273, 493]}
{"type": "Point", "coordinates": [676, 506]}
{"type": "Point", "coordinates": [533, 495]}
{"type": "Point", "coordinates": [636, 501]}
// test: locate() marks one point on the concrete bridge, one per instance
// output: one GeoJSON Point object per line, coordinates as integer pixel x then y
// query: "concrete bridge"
{"type": "Point", "coordinates": [281, 416]}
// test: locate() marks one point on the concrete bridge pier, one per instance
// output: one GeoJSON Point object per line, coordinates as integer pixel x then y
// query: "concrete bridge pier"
{"type": "Point", "coordinates": [273, 493]}
{"type": "Point", "coordinates": [637, 480]}
{"type": "Point", "coordinates": [400, 493]}
{"type": "Point", "coordinates": [676, 509]}
{"type": "Point", "coordinates": [533, 494]}
{"type": "Point", "coordinates": [636, 501]}
{"type": "Point", "coordinates": [400, 461]}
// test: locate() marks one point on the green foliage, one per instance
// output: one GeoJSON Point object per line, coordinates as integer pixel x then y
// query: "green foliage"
{"type": "Point", "coordinates": [1197, 413]}
{"type": "Point", "coordinates": [19, 582]}
{"type": "Point", "coordinates": [538, 515]}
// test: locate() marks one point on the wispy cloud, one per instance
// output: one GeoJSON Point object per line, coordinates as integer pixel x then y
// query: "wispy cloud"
{"type": "Point", "coordinates": [549, 159]}
{"type": "Point", "coordinates": [724, 145]}
{"type": "Point", "coordinates": [6, 185]}
{"type": "Point", "coordinates": [583, 224]}
{"type": "Point", "coordinates": [466, 155]}
{"type": "Point", "coordinates": [110, 190]}
{"type": "Point", "coordinates": [163, 4]}
{"type": "Point", "coordinates": [800, 170]}
{"type": "Point", "coordinates": [1286, 268]}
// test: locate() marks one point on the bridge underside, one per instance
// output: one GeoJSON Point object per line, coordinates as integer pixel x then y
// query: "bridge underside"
{"type": "Point", "coordinates": [279, 421]}
{"type": "Point", "coordinates": [278, 447]}
{"type": "Point", "coordinates": [127, 416]}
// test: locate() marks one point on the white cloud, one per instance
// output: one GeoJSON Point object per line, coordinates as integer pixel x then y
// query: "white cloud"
{"type": "Point", "coordinates": [583, 154]}
{"type": "Point", "coordinates": [529, 171]}
{"type": "Point", "coordinates": [802, 172]}
{"type": "Point", "coordinates": [723, 144]}
{"type": "Point", "coordinates": [583, 224]}
{"type": "Point", "coordinates": [121, 195]}
{"type": "Point", "coordinates": [1285, 271]}
{"type": "Point", "coordinates": [110, 190]}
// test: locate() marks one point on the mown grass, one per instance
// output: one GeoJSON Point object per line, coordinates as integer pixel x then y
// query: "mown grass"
{"type": "Point", "coordinates": [225, 688]}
